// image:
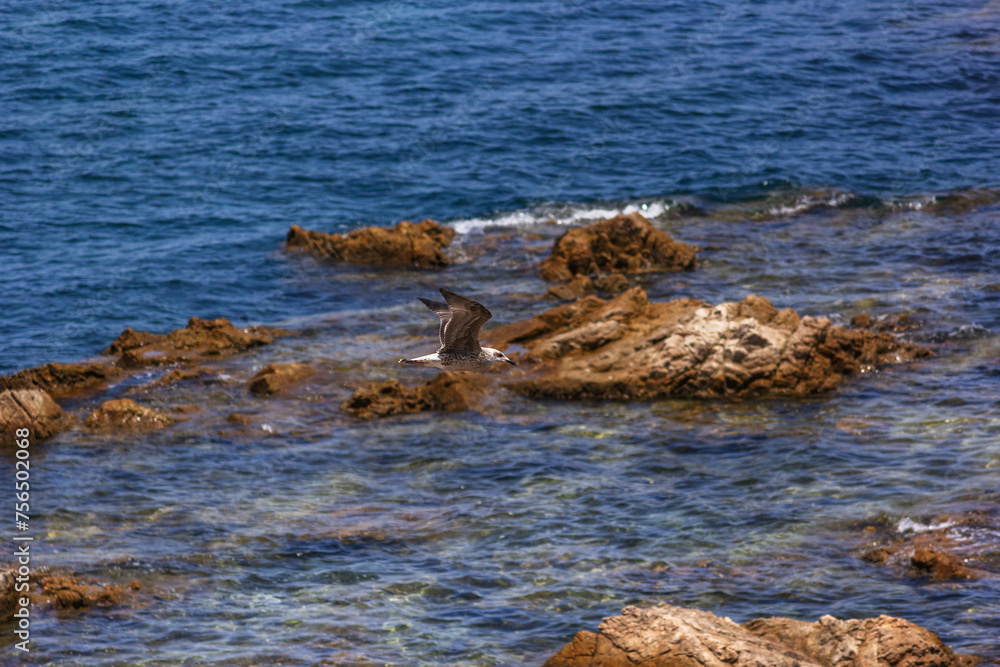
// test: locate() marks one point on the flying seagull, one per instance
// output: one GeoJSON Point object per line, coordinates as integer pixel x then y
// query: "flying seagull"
{"type": "Point", "coordinates": [461, 320]}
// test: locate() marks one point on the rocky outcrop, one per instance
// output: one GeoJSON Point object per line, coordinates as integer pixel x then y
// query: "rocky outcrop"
{"type": "Point", "coordinates": [406, 244]}
{"type": "Point", "coordinates": [447, 392]}
{"type": "Point", "coordinates": [670, 636]}
{"type": "Point", "coordinates": [624, 244]}
{"type": "Point", "coordinates": [945, 549]}
{"type": "Point", "coordinates": [32, 409]}
{"type": "Point", "coordinates": [198, 341]}
{"type": "Point", "coordinates": [124, 414]}
{"type": "Point", "coordinates": [62, 379]}
{"type": "Point", "coordinates": [629, 348]}
{"type": "Point", "coordinates": [276, 378]}
{"type": "Point", "coordinates": [67, 592]}
{"type": "Point", "coordinates": [64, 592]}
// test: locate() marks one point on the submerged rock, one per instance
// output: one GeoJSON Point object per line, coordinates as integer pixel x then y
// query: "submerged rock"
{"type": "Point", "coordinates": [32, 409]}
{"type": "Point", "coordinates": [61, 379]}
{"type": "Point", "coordinates": [63, 592]}
{"type": "Point", "coordinates": [623, 244]}
{"type": "Point", "coordinates": [629, 348]}
{"type": "Point", "coordinates": [124, 414]}
{"type": "Point", "coordinates": [406, 244]}
{"type": "Point", "coordinates": [199, 340]}
{"type": "Point", "coordinates": [67, 592]}
{"type": "Point", "coordinates": [447, 392]}
{"type": "Point", "coordinates": [670, 636]}
{"type": "Point", "coordinates": [947, 549]}
{"type": "Point", "coordinates": [276, 378]}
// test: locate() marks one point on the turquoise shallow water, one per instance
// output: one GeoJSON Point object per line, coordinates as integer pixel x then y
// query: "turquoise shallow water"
{"type": "Point", "coordinates": [153, 155]}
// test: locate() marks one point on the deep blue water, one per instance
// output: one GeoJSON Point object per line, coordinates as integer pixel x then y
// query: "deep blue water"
{"type": "Point", "coordinates": [153, 156]}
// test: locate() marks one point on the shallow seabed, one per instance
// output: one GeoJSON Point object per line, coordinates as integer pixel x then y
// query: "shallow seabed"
{"type": "Point", "coordinates": [490, 538]}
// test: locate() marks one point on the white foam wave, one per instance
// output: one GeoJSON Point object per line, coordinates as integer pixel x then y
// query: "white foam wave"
{"type": "Point", "coordinates": [562, 214]}
{"type": "Point", "coordinates": [908, 525]}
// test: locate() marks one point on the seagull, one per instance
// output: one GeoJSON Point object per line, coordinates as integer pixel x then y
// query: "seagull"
{"type": "Point", "coordinates": [461, 320]}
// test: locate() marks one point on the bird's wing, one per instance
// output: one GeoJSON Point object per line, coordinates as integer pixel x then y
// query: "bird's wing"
{"type": "Point", "coordinates": [443, 311]}
{"type": "Point", "coordinates": [460, 333]}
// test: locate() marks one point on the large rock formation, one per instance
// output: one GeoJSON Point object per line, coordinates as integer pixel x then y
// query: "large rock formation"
{"type": "Point", "coordinates": [199, 340]}
{"type": "Point", "coordinates": [447, 392]}
{"type": "Point", "coordinates": [61, 379]}
{"type": "Point", "coordinates": [623, 244]}
{"type": "Point", "coordinates": [406, 244]}
{"type": "Point", "coordinates": [676, 637]}
{"type": "Point", "coordinates": [629, 348]}
{"type": "Point", "coordinates": [32, 409]}
{"type": "Point", "coordinates": [124, 414]}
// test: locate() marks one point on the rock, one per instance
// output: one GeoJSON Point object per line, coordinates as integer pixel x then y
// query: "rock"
{"type": "Point", "coordinates": [939, 565]}
{"type": "Point", "coordinates": [447, 392]}
{"type": "Point", "coordinates": [574, 289]}
{"type": "Point", "coordinates": [199, 340]}
{"type": "Point", "coordinates": [629, 348]}
{"type": "Point", "coordinates": [9, 595]}
{"type": "Point", "coordinates": [64, 592]}
{"type": "Point", "coordinates": [872, 642]}
{"type": "Point", "coordinates": [947, 549]}
{"type": "Point", "coordinates": [623, 244]}
{"type": "Point", "coordinates": [406, 244]}
{"type": "Point", "coordinates": [613, 283]}
{"type": "Point", "coordinates": [68, 593]}
{"type": "Point", "coordinates": [670, 636]}
{"type": "Point", "coordinates": [126, 415]}
{"type": "Point", "coordinates": [863, 321]}
{"type": "Point", "coordinates": [673, 637]}
{"type": "Point", "coordinates": [239, 418]}
{"type": "Point", "coordinates": [61, 379]}
{"type": "Point", "coordinates": [276, 378]}
{"type": "Point", "coordinates": [32, 409]}
{"type": "Point", "coordinates": [898, 324]}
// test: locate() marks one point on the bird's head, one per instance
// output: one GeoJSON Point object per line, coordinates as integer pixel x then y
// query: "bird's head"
{"type": "Point", "coordinates": [496, 356]}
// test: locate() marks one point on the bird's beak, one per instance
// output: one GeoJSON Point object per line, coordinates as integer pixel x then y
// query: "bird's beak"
{"type": "Point", "coordinates": [510, 362]}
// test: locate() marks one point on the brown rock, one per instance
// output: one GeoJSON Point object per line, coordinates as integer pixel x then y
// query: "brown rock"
{"type": "Point", "coordinates": [628, 348]}
{"type": "Point", "coordinates": [940, 565]}
{"type": "Point", "coordinates": [61, 379]}
{"type": "Point", "coordinates": [863, 321]}
{"type": "Point", "coordinates": [872, 642]}
{"type": "Point", "coordinates": [574, 289]}
{"type": "Point", "coordinates": [613, 283]}
{"type": "Point", "coordinates": [406, 244]}
{"type": "Point", "coordinates": [66, 592]}
{"type": "Point", "coordinates": [670, 636]}
{"type": "Point", "coordinates": [959, 549]}
{"type": "Point", "coordinates": [447, 392]}
{"type": "Point", "coordinates": [199, 340]}
{"type": "Point", "coordinates": [673, 637]}
{"type": "Point", "coordinates": [623, 244]}
{"type": "Point", "coordinates": [898, 324]}
{"type": "Point", "coordinates": [32, 409]}
{"type": "Point", "coordinates": [126, 415]}
{"type": "Point", "coordinates": [276, 378]}
{"type": "Point", "coordinates": [239, 418]}
{"type": "Point", "coordinates": [9, 595]}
